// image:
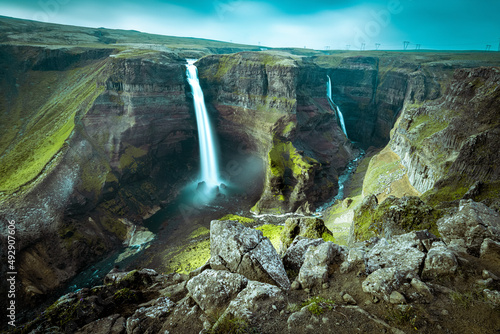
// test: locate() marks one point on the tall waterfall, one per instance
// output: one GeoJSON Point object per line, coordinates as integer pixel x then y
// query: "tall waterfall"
{"type": "Point", "coordinates": [208, 157]}
{"type": "Point", "coordinates": [334, 106]}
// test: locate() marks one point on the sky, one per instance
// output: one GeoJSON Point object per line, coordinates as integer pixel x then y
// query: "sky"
{"type": "Point", "coordinates": [316, 24]}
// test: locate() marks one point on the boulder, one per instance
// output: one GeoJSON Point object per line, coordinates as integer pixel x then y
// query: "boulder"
{"type": "Point", "coordinates": [397, 298]}
{"type": "Point", "coordinates": [245, 251]}
{"type": "Point", "coordinates": [186, 317]}
{"type": "Point", "coordinates": [175, 292]}
{"type": "Point", "coordinates": [131, 279]}
{"type": "Point", "coordinates": [490, 250]}
{"type": "Point", "coordinates": [383, 282]}
{"type": "Point", "coordinates": [256, 302]}
{"type": "Point", "coordinates": [403, 252]}
{"type": "Point", "coordinates": [440, 261]}
{"type": "Point", "coordinates": [467, 228]}
{"type": "Point", "coordinates": [213, 290]}
{"type": "Point", "coordinates": [308, 227]}
{"type": "Point", "coordinates": [317, 260]}
{"type": "Point", "coordinates": [295, 254]}
{"type": "Point", "coordinates": [492, 296]}
{"type": "Point", "coordinates": [114, 324]}
{"type": "Point", "coordinates": [150, 318]}
{"type": "Point", "coordinates": [422, 290]}
{"type": "Point", "coordinates": [355, 259]}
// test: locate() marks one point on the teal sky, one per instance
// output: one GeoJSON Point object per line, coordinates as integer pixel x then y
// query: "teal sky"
{"type": "Point", "coordinates": [319, 24]}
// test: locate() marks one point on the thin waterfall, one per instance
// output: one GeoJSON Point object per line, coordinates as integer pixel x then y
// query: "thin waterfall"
{"type": "Point", "coordinates": [334, 106]}
{"type": "Point", "coordinates": [208, 157]}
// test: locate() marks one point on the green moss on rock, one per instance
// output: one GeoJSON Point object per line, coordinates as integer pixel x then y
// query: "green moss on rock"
{"type": "Point", "coordinates": [284, 156]}
{"type": "Point", "coordinates": [272, 232]}
{"type": "Point", "coordinates": [394, 216]}
{"type": "Point", "coordinates": [241, 219]}
{"type": "Point", "coordinates": [308, 227]}
{"type": "Point", "coordinates": [188, 258]}
{"type": "Point", "coordinates": [129, 159]}
{"type": "Point", "coordinates": [201, 231]}
{"type": "Point", "coordinates": [43, 121]}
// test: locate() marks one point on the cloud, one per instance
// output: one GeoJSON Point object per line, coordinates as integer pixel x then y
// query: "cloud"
{"type": "Point", "coordinates": [293, 23]}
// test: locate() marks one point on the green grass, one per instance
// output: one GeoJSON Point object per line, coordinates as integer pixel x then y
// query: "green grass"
{"type": "Point", "coordinates": [449, 189]}
{"type": "Point", "coordinates": [403, 316]}
{"type": "Point", "coordinates": [129, 159]}
{"type": "Point", "coordinates": [426, 126]}
{"type": "Point", "coordinates": [199, 232]}
{"type": "Point", "coordinates": [464, 300]}
{"type": "Point", "coordinates": [41, 120]}
{"type": "Point", "coordinates": [188, 258]}
{"type": "Point", "coordinates": [317, 305]}
{"type": "Point", "coordinates": [272, 232]}
{"type": "Point", "coordinates": [231, 324]}
{"type": "Point", "coordinates": [55, 34]}
{"type": "Point", "coordinates": [241, 219]}
{"type": "Point", "coordinates": [410, 214]}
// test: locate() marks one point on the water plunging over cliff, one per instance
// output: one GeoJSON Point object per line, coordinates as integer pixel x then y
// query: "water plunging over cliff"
{"type": "Point", "coordinates": [334, 106]}
{"type": "Point", "coordinates": [208, 156]}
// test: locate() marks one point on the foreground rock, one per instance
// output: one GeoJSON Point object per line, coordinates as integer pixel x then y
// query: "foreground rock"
{"type": "Point", "coordinates": [369, 288]}
{"type": "Point", "coordinates": [295, 254]}
{"type": "Point", "coordinates": [245, 251]}
{"type": "Point", "coordinates": [470, 226]}
{"type": "Point", "coordinates": [318, 261]}
{"type": "Point", "coordinates": [308, 227]}
{"type": "Point", "coordinates": [213, 290]}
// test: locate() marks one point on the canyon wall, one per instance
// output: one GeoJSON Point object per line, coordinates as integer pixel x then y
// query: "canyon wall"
{"type": "Point", "coordinates": [88, 137]}
{"type": "Point", "coordinates": [451, 142]}
{"type": "Point", "coordinates": [88, 134]}
{"type": "Point", "coordinates": [276, 105]}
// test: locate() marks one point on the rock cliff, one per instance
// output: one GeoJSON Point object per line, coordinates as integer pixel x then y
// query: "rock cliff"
{"type": "Point", "coordinates": [87, 136]}
{"type": "Point", "coordinates": [276, 105]}
{"type": "Point", "coordinates": [450, 142]}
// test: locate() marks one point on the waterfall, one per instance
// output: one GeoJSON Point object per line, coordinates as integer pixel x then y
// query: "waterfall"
{"type": "Point", "coordinates": [208, 156]}
{"type": "Point", "coordinates": [334, 106]}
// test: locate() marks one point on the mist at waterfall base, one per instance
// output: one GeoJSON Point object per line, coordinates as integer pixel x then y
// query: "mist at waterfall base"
{"type": "Point", "coordinates": [213, 182]}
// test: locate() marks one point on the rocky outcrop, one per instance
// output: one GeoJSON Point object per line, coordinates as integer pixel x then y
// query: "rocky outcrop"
{"type": "Point", "coordinates": [335, 298]}
{"type": "Point", "coordinates": [318, 261]}
{"type": "Point", "coordinates": [275, 105]}
{"type": "Point", "coordinates": [295, 254]}
{"type": "Point", "coordinates": [467, 229]}
{"type": "Point", "coordinates": [243, 250]}
{"type": "Point", "coordinates": [440, 261]}
{"type": "Point", "coordinates": [392, 217]}
{"type": "Point", "coordinates": [213, 290]}
{"type": "Point", "coordinates": [308, 227]}
{"type": "Point", "coordinates": [118, 118]}
{"type": "Point", "coordinates": [457, 126]}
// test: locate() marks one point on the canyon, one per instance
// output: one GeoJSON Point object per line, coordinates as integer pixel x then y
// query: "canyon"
{"type": "Point", "coordinates": [99, 136]}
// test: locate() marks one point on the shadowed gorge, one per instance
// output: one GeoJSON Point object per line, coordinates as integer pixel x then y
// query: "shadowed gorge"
{"type": "Point", "coordinates": [106, 159]}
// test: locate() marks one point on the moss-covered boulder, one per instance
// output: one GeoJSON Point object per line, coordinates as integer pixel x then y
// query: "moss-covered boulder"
{"type": "Point", "coordinates": [308, 227]}
{"type": "Point", "coordinates": [393, 216]}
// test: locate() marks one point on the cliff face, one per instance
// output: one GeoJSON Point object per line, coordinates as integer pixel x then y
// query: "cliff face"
{"type": "Point", "coordinates": [276, 105]}
{"type": "Point", "coordinates": [88, 137]}
{"type": "Point", "coordinates": [453, 138]}
{"type": "Point", "coordinates": [371, 91]}
{"type": "Point", "coordinates": [104, 126]}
